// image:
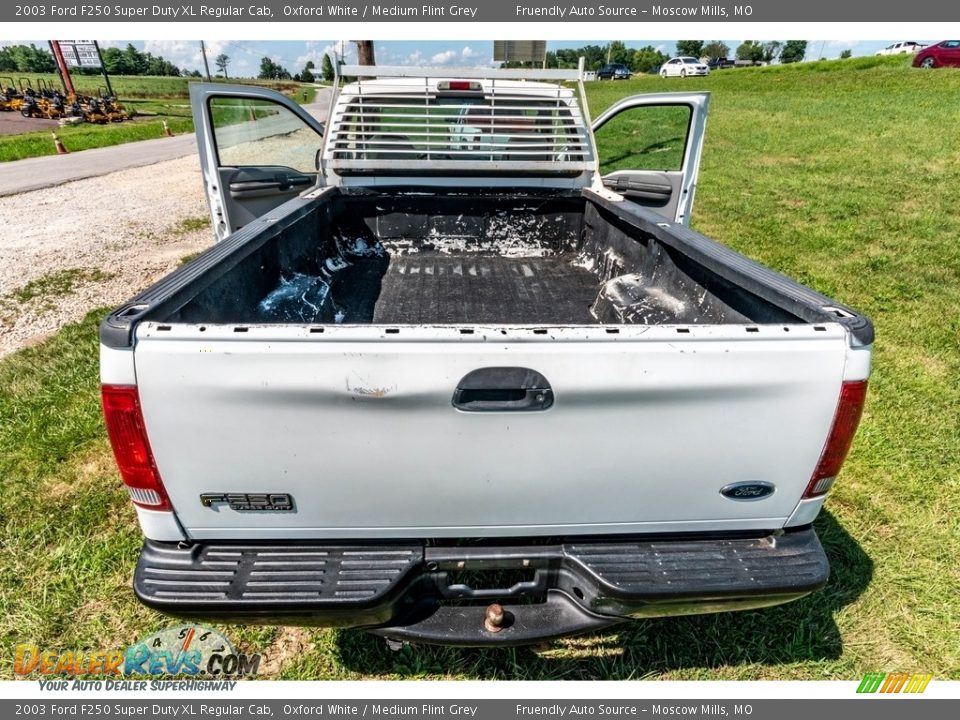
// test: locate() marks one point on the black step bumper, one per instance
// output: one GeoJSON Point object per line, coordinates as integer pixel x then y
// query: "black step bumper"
{"type": "Point", "coordinates": [436, 594]}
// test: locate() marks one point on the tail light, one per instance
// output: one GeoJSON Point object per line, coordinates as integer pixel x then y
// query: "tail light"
{"type": "Point", "coordinates": [845, 422]}
{"type": "Point", "coordinates": [128, 436]}
{"type": "Point", "coordinates": [459, 86]}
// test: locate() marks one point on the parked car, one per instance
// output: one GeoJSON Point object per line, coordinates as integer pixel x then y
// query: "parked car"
{"type": "Point", "coordinates": [943, 54]}
{"type": "Point", "coordinates": [721, 63]}
{"type": "Point", "coordinates": [464, 388]}
{"type": "Point", "coordinates": [614, 71]}
{"type": "Point", "coordinates": [683, 67]}
{"type": "Point", "coordinates": [900, 48]}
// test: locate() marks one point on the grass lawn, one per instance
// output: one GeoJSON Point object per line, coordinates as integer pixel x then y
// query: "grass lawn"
{"type": "Point", "coordinates": [839, 174]}
{"type": "Point", "coordinates": [152, 99]}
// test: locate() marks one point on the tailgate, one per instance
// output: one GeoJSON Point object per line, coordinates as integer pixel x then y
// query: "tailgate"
{"type": "Point", "coordinates": [646, 427]}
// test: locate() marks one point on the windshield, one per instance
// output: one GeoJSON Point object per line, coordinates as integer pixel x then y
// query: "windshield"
{"type": "Point", "coordinates": [691, 61]}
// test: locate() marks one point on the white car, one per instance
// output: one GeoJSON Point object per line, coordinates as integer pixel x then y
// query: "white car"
{"type": "Point", "coordinates": [683, 67]}
{"type": "Point", "coordinates": [901, 48]}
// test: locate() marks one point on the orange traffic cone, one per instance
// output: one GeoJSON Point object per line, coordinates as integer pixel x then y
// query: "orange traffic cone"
{"type": "Point", "coordinates": [61, 150]}
{"type": "Point", "coordinates": [166, 129]}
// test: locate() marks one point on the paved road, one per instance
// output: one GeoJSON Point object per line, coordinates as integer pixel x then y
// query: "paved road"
{"type": "Point", "coordinates": [43, 172]}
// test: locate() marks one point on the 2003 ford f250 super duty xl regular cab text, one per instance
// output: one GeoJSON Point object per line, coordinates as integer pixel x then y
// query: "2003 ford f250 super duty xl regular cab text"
{"type": "Point", "coordinates": [454, 375]}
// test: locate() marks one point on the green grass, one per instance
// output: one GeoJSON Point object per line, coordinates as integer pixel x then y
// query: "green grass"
{"type": "Point", "coordinates": [152, 100]}
{"type": "Point", "coordinates": [86, 137]}
{"type": "Point", "coordinates": [842, 179]}
{"type": "Point", "coordinates": [143, 86]}
{"type": "Point", "coordinates": [191, 224]}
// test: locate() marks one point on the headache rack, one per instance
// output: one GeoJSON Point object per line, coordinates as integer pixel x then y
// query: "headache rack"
{"type": "Point", "coordinates": [436, 121]}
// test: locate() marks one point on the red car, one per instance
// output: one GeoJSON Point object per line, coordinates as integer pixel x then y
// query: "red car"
{"type": "Point", "coordinates": [943, 54]}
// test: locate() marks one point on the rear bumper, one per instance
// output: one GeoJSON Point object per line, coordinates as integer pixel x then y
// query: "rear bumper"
{"type": "Point", "coordinates": [410, 591]}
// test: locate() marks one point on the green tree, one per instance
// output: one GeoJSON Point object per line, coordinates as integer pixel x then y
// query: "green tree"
{"type": "Point", "coordinates": [648, 58]}
{"type": "Point", "coordinates": [222, 61]}
{"type": "Point", "coordinates": [846, 54]}
{"type": "Point", "coordinates": [130, 61]}
{"type": "Point", "coordinates": [716, 50]}
{"type": "Point", "coordinates": [750, 50]}
{"type": "Point", "coordinates": [136, 63]}
{"type": "Point", "coordinates": [326, 68]}
{"type": "Point", "coordinates": [771, 50]}
{"type": "Point", "coordinates": [306, 75]}
{"type": "Point", "coordinates": [113, 61]}
{"type": "Point", "coordinates": [693, 48]}
{"type": "Point", "coordinates": [793, 51]}
{"type": "Point", "coordinates": [568, 58]}
{"type": "Point", "coordinates": [268, 69]}
{"type": "Point", "coordinates": [7, 61]}
{"type": "Point", "coordinates": [595, 57]}
{"type": "Point", "coordinates": [26, 58]}
{"type": "Point", "coordinates": [618, 53]}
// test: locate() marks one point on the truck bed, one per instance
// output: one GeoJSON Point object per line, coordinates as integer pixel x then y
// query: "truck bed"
{"type": "Point", "coordinates": [376, 408]}
{"type": "Point", "coordinates": [465, 259]}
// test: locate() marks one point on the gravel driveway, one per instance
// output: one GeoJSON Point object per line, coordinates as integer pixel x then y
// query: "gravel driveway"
{"type": "Point", "coordinates": [93, 243]}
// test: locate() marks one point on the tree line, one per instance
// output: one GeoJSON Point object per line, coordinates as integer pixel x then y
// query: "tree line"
{"type": "Point", "coordinates": [789, 51]}
{"type": "Point", "coordinates": [647, 58]}
{"type": "Point", "coordinates": [270, 70]}
{"type": "Point", "coordinates": [116, 61]}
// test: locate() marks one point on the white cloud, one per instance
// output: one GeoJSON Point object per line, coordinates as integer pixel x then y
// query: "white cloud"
{"type": "Point", "coordinates": [315, 51]}
{"type": "Point", "coordinates": [414, 58]}
{"type": "Point", "coordinates": [187, 55]}
{"type": "Point", "coordinates": [468, 52]}
{"type": "Point", "coordinates": [443, 58]}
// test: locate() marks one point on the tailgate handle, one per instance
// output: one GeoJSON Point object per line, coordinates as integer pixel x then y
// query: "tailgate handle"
{"type": "Point", "coordinates": [503, 389]}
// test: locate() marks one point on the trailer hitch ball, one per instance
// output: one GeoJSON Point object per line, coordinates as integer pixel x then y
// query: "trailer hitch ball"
{"type": "Point", "coordinates": [493, 619]}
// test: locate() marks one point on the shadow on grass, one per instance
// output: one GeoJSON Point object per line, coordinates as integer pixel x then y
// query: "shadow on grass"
{"type": "Point", "coordinates": [800, 631]}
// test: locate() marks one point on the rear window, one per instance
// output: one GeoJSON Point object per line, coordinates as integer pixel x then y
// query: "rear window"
{"type": "Point", "coordinates": [479, 127]}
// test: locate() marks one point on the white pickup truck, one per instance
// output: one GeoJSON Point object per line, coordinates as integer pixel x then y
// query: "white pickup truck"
{"type": "Point", "coordinates": [482, 393]}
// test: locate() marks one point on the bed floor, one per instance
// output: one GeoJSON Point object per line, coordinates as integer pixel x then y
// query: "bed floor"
{"type": "Point", "coordinates": [439, 288]}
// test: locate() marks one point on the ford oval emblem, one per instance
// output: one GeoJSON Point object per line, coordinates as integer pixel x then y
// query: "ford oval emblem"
{"type": "Point", "coordinates": [748, 490]}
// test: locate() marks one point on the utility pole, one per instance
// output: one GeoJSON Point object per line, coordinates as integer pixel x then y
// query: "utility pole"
{"type": "Point", "coordinates": [365, 54]}
{"type": "Point", "coordinates": [206, 65]}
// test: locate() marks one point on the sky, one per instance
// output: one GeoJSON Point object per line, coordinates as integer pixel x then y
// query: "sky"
{"type": "Point", "coordinates": [245, 55]}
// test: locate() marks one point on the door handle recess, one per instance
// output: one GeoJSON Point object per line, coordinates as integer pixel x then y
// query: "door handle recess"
{"type": "Point", "coordinates": [271, 185]}
{"type": "Point", "coordinates": [503, 389]}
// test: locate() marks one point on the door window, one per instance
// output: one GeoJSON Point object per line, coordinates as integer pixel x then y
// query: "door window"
{"type": "Point", "coordinates": [251, 132]}
{"type": "Point", "coordinates": [644, 138]}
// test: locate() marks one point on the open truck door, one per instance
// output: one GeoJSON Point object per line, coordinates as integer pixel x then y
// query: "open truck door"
{"type": "Point", "coordinates": [649, 147]}
{"type": "Point", "coordinates": [258, 149]}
